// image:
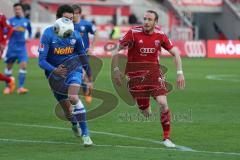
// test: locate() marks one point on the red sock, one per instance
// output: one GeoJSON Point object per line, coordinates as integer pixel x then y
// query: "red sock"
{"type": "Point", "coordinates": [4, 78]}
{"type": "Point", "coordinates": [165, 121]}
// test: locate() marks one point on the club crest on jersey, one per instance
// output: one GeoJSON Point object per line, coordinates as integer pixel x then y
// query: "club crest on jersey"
{"type": "Point", "coordinates": [63, 51]}
{"type": "Point", "coordinates": [72, 41]}
{"type": "Point", "coordinates": [157, 43]}
{"type": "Point", "coordinates": [82, 28]}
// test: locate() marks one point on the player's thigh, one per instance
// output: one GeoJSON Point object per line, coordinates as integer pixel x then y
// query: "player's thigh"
{"type": "Point", "coordinates": [74, 81]}
{"type": "Point", "coordinates": [141, 96]}
{"type": "Point", "coordinates": [162, 100]}
{"type": "Point", "coordinates": [60, 96]}
{"type": "Point", "coordinates": [23, 59]}
{"type": "Point", "coordinates": [143, 103]}
{"type": "Point", "coordinates": [10, 60]}
{"type": "Point", "coordinates": [23, 65]}
{"type": "Point", "coordinates": [73, 89]}
{"type": "Point", "coordinates": [74, 78]}
{"type": "Point", "coordinates": [10, 65]}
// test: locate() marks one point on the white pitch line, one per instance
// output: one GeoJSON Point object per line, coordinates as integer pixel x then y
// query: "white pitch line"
{"type": "Point", "coordinates": [100, 132]}
{"type": "Point", "coordinates": [224, 77]}
{"type": "Point", "coordinates": [108, 145]}
{"type": "Point", "coordinates": [178, 148]}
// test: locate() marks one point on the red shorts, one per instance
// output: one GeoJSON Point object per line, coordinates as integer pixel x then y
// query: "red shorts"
{"type": "Point", "coordinates": [142, 87]}
{"type": "Point", "coordinates": [145, 79]}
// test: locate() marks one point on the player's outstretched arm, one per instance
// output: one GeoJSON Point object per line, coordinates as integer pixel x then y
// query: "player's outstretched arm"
{"type": "Point", "coordinates": [177, 59]}
{"type": "Point", "coordinates": [117, 73]}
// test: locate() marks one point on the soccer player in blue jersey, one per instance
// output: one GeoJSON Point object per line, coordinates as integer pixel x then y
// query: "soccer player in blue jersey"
{"type": "Point", "coordinates": [55, 58]}
{"type": "Point", "coordinates": [85, 28]}
{"type": "Point", "coordinates": [17, 48]}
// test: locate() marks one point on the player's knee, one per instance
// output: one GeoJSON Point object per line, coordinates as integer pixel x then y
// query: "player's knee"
{"type": "Point", "coordinates": [8, 72]}
{"type": "Point", "coordinates": [23, 65]}
{"type": "Point", "coordinates": [163, 104]}
{"type": "Point", "coordinates": [73, 98]}
{"type": "Point", "coordinates": [23, 71]}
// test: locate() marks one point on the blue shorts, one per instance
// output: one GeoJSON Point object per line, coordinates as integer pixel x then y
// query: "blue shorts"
{"type": "Point", "coordinates": [72, 78]}
{"type": "Point", "coordinates": [12, 56]}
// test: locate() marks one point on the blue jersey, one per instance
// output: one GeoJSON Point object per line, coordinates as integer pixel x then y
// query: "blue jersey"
{"type": "Point", "coordinates": [20, 25]}
{"type": "Point", "coordinates": [84, 28]}
{"type": "Point", "coordinates": [54, 51]}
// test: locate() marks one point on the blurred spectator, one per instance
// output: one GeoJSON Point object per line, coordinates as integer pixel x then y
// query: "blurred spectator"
{"type": "Point", "coordinates": [124, 22]}
{"type": "Point", "coordinates": [116, 33]}
{"type": "Point", "coordinates": [114, 19]}
{"type": "Point", "coordinates": [132, 19]}
{"type": "Point", "coordinates": [38, 33]}
{"type": "Point", "coordinates": [26, 4]}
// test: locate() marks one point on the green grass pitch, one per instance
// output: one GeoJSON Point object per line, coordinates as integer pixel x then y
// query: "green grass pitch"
{"type": "Point", "coordinates": [205, 118]}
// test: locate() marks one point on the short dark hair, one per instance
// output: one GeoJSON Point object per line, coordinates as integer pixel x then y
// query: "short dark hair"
{"type": "Point", "coordinates": [155, 13]}
{"type": "Point", "coordinates": [64, 9]}
{"type": "Point", "coordinates": [77, 7]}
{"type": "Point", "coordinates": [17, 4]}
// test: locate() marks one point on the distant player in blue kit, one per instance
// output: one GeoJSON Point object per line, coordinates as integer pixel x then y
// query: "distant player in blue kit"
{"type": "Point", "coordinates": [17, 48]}
{"type": "Point", "coordinates": [85, 28]}
{"type": "Point", "coordinates": [57, 56]}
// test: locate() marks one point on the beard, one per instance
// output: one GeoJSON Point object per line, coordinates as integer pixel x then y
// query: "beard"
{"type": "Point", "coordinates": [148, 29]}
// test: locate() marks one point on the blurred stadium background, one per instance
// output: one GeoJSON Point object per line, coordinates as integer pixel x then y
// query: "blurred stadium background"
{"type": "Point", "coordinates": [194, 26]}
{"type": "Point", "coordinates": [205, 114]}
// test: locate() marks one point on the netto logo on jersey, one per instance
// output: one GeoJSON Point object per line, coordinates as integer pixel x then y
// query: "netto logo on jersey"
{"type": "Point", "coordinates": [63, 51]}
{"type": "Point", "coordinates": [147, 50]}
{"type": "Point", "coordinates": [20, 29]}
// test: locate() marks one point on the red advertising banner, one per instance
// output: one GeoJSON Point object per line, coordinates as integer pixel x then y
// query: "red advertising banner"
{"type": "Point", "coordinates": [198, 2]}
{"type": "Point", "coordinates": [32, 48]}
{"type": "Point", "coordinates": [189, 48]}
{"type": "Point", "coordinates": [105, 48]}
{"type": "Point", "coordinates": [223, 49]}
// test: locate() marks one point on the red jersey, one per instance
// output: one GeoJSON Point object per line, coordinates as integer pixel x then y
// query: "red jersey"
{"type": "Point", "coordinates": [144, 47]}
{"type": "Point", "coordinates": [3, 25]}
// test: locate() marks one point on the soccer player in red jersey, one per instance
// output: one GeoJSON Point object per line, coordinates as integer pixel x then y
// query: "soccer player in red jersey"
{"type": "Point", "coordinates": [3, 40]}
{"type": "Point", "coordinates": [144, 74]}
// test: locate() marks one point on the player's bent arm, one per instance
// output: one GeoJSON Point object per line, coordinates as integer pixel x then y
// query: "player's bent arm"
{"type": "Point", "coordinates": [86, 66]}
{"type": "Point", "coordinates": [43, 52]}
{"type": "Point", "coordinates": [29, 28]}
{"type": "Point", "coordinates": [83, 56]}
{"type": "Point", "coordinates": [95, 37]}
{"type": "Point", "coordinates": [117, 73]}
{"type": "Point", "coordinates": [115, 59]}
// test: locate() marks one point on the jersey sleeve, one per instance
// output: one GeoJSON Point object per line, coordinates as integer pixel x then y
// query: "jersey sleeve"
{"type": "Point", "coordinates": [29, 28]}
{"type": "Point", "coordinates": [166, 42]}
{"type": "Point", "coordinates": [43, 52]}
{"type": "Point", "coordinates": [92, 28]}
{"type": "Point", "coordinates": [83, 55]}
{"type": "Point", "coordinates": [127, 39]}
{"type": "Point", "coordinates": [8, 27]}
{"type": "Point", "coordinates": [79, 48]}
